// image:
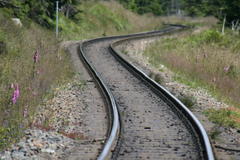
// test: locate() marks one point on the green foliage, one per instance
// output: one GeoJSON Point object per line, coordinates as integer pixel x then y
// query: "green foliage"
{"type": "Point", "coordinates": [94, 17]}
{"type": "Point", "coordinates": [106, 16]}
{"type": "Point", "coordinates": [224, 117]}
{"type": "Point", "coordinates": [144, 6]}
{"type": "Point", "coordinates": [9, 135]}
{"type": "Point", "coordinates": [218, 8]}
{"type": "Point", "coordinates": [208, 36]}
{"type": "Point", "coordinates": [40, 11]}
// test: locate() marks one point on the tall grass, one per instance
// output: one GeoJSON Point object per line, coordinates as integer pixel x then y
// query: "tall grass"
{"type": "Point", "coordinates": [34, 79]}
{"type": "Point", "coordinates": [208, 58]}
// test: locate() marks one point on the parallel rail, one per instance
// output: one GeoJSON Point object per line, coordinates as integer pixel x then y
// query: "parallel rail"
{"type": "Point", "coordinates": [114, 113]}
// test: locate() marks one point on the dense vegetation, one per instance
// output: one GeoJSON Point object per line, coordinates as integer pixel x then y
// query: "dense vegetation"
{"type": "Point", "coordinates": [39, 11]}
{"type": "Point", "coordinates": [43, 12]}
{"type": "Point", "coordinates": [218, 8]}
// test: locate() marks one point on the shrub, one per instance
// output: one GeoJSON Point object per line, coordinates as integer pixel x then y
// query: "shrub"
{"type": "Point", "coordinates": [188, 101]}
{"type": "Point", "coordinates": [211, 36]}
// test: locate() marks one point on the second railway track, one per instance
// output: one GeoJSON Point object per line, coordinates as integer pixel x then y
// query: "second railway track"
{"type": "Point", "coordinates": [152, 127]}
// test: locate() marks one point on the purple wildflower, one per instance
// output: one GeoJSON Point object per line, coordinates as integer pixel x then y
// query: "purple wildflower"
{"type": "Point", "coordinates": [36, 56]}
{"type": "Point", "coordinates": [16, 94]}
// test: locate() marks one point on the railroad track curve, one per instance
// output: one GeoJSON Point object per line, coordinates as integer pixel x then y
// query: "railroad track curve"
{"type": "Point", "coordinates": [145, 120]}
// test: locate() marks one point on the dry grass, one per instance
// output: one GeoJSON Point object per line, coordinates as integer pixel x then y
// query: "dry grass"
{"type": "Point", "coordinates": [206, 57]}
{"type": "Point", "coordinates": [34, 79]}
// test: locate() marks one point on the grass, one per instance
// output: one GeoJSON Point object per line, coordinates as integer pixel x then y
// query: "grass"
{"type": "Point", "coordinates": [104, 18]}
{"type": "Point", "coordinates": [214, 133]}
{"type": "Point", "coordinates": [35, 80]}
{"type": "Point", "coordinates": [205, 58]}
{"type": "Point", "coordinates": [229, 117]}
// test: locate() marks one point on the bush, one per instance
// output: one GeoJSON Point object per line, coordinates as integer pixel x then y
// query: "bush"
{"type": "Point", "coordinates": [188, 101]}
{"type": "Point", "coordinates": [211, 36]}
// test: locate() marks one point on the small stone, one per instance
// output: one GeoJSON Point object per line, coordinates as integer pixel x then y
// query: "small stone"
{"type": "Point", "coordinates": [21, 144]}
{"type": "Point", "coordinates": [6, 156]}
{"type": "Point", "coordinates": [18, 155]}
{"type": "Point", "coordinates": [48, 150]}
{"type": "Point", "coordinates": [53, 146]}
{"type": "Point", "coordinates": [38, 144]}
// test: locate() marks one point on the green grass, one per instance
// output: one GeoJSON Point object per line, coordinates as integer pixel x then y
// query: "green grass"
{"type": "Point", "coordinates": [94, 19]}
{"type": "Point", "coordinates": [225, 117]}
{"type": "Point", "coordinates": [97, 19]}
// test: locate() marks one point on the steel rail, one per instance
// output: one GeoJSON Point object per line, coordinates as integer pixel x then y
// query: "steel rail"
{"type": "Point", "coordinates": [115, 122]}
{"type": "Point", "coordinates": [115, 128]}
{"type": "Point", "coordinates": [189, 115]}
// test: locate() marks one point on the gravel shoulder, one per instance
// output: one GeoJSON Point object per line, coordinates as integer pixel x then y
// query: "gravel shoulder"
{"type": "Point", "coordinates": [71, 125]}
{"type": "Point", "coordinates": [228, 139]}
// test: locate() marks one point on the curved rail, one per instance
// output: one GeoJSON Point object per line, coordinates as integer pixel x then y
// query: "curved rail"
{"type": "Point", "coordinates": [115, 128]}
{"type": "Point", "coordinates": [115, 114]}
{"type": "Point", "coordinates": [171, 98]}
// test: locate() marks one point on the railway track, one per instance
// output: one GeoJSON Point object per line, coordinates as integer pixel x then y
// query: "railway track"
{"type": "Point", "coordinates": [146, 121]}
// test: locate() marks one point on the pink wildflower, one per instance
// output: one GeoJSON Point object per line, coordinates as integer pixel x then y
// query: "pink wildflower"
{"type": "Point", "coordinates": [36, 56]}
{"type": "Point", "coordinates": [16, 94]}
